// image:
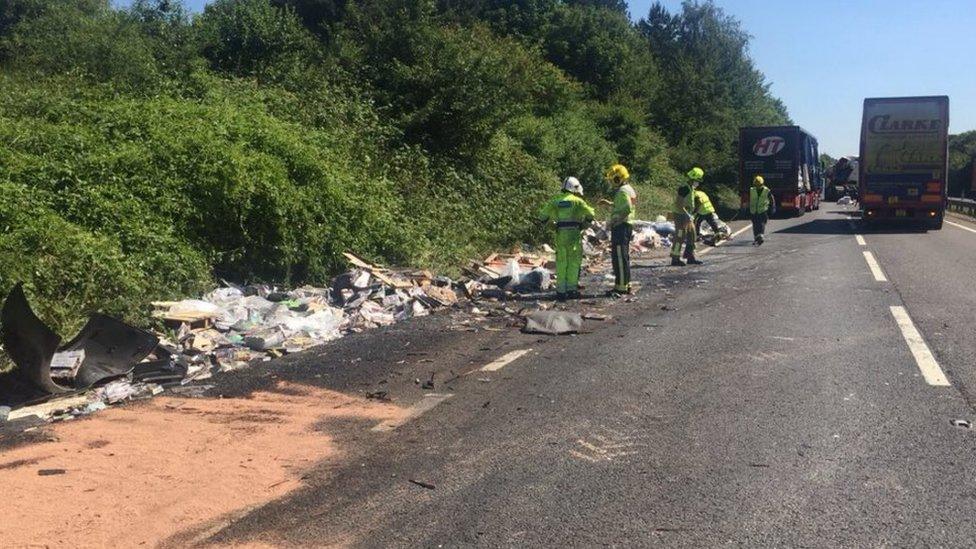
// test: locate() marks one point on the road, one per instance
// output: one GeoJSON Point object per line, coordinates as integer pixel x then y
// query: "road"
{"type": "Point", "coordinates": [782, 395]}
{"type": "Point", "coordinates": [769, 398]}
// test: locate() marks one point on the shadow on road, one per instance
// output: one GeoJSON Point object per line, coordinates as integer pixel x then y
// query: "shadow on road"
{"type": "Point", "coordinates": [820, 226]}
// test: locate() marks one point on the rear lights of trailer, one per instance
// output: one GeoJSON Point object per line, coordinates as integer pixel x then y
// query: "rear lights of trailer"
{"type": "Point", "coordinates": [870, 197]}
{"type": "Point", "coordinates": [933, 187]}
{"type": "Point", "coordinates": [932, 198]}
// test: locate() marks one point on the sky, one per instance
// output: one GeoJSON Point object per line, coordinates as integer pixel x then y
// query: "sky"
{"type": "Point", "coordinates": [823, 57]}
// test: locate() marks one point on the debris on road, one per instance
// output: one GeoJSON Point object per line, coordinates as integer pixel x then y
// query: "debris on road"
{"type": "Point", "coordinates": [594, 316]}
{"type": "Point", "coordinates": [553, 322]}
{"type": "Point", "coordinates": [961, 423]}
{"type": "Point", "coordinates": [233, 326]}
{"type": "Point", "coordinates": [50, 472]}
{"type": "Point", "coordinates": [105, 348]}
{"type": "Point", "coordinates": [423, 484]}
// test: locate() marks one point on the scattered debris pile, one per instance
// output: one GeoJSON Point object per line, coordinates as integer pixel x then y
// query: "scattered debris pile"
{"type": "Point", "coordinates": [225, 330]}
{"type": "Point", "coordinates": [110, 361]}
{"type": "Point", "coordinates": [233, 325]}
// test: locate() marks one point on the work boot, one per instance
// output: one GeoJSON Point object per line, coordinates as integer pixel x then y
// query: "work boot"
{"type": "Point", "coordinates": [676, 262]}
{"type": "Point", "coordinates": [760, 240]}
{"type": "Point", "coordinates": [560, 297]}
{"type": "Point", "coordinates": [692, 260]}
{"type": "Point", "coordinates": [573, 294]}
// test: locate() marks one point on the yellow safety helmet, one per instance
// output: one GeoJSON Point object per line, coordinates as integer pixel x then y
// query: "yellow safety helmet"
{"type": "Point", "coordinates": [618, 173]}
{"type": "Point", "coordinates": [696, 174]}
{"type": "Point", "coordinates": [758, 180]}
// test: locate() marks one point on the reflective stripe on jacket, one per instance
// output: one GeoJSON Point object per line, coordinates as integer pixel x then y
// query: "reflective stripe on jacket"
{"type": "Point", "coordinates": [567, 210]}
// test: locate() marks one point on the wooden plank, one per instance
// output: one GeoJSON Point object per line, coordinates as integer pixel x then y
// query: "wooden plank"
{"type": "Point", "coordinates": [358, 262]}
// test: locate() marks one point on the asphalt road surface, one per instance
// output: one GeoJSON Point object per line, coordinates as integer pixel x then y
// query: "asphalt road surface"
{"type": "Point", "coordinates": [814, 391]}
{"type": "Point", "coordinates": [782, 395]}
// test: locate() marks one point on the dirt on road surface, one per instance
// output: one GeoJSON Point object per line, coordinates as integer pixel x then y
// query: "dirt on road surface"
{"type": "Point", "coordinates": [136, 475]}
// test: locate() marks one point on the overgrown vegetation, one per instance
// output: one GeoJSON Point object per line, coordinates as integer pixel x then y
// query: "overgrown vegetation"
{"type": "Point", "coordinates": [145, 152]}
{"type": "Point", "coordinates": [962, 156]}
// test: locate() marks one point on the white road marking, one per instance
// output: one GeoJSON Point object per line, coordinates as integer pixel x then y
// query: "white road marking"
{"type": "Point", "coordinates": [963, 227]}
{"type": "Point", "coordinates": [875, 268]}
{"type": "Point", "coordinates": [733, 235]}
{"type": "Point", "coordinates": [504, 360]}
{"type": "Point", "coordinates": [425, 405]}
{"type": "Point", "coordinates": [860, 240]}
{"type": "Point", "coordinates": [923, 356]}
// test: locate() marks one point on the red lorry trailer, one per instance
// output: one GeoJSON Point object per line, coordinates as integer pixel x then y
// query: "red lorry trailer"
{"type": "Point", "coordinates": [788, 159]}
{"type": "Point", "coordinates": [904, 159]}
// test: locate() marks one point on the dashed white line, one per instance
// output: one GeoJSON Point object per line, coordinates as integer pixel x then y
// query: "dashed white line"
{"type": "Point", "coordinates": [860, 240]}
{"type": "Point", "coordinates": [425, 405]}
{"type": "Point", "coordinates": [733, 235]}
{"type": "Point", "coordinates": [875, 268]}
{"type": "Point", "coordinates": [963, 227]}
{"type": "Point", "coordinates": [505, 360]}
{"type": "Point", "coordinates": [923, 356]}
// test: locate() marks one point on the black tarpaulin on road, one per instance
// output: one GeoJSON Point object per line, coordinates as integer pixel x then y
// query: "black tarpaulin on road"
{"type": "Point", "coordinates": [111, 347]}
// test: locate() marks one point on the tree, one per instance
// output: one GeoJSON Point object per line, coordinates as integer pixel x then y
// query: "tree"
{"type": "Point", "coordinates": [619, 6]}
{"type": "Point", "coordinates": [962, 156]}
{"type": "Point", "coordinates": [601, 49]}
{"type": "Point", "coordinates": [710, 86]}
{"type": "Point", "coordinates": [253, 38]}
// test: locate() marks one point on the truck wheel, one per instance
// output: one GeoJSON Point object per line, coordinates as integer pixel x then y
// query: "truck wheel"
{"type": "Point", "coordinates": [935, 224]}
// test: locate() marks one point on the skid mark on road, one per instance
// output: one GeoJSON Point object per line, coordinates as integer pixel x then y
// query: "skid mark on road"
{"type": "Point", "coordinates": [426, 404]}
{"type": "Point", "coordinates": [612, 440]}
{"type": "Point", "coordinates": [923, 356]}
{"type": "Point", "coordinates": [595, 448]}
{"type": "Point", "coordinates": [875, 268]}
{"type": "Point", "coordinates": [767, 356]}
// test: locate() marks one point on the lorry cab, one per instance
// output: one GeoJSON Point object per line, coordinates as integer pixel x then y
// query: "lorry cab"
{"type": "Point", "coordinates": [788, 158]}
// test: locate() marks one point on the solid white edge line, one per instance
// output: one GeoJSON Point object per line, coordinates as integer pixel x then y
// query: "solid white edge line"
{"type": "Point", "coordinates": [875, 268]}
{"type": "Point", "coordinates": [504, 360]}
{"type": "Point", "coordinates": [423, 406]}
{"type": "Point", "coordinates": [963, 227]}
{"type": "Point", "coordinates": [860, 240]}
{"type": "Point", "coordinates": [733, 235]}
{"type": "Point", "coordinates": [923, 356]}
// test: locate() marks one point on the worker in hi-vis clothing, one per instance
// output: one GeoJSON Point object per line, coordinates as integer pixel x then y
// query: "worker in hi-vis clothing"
{"type": "Point", "coordinates": [761, 203]}
{"type": "Point", "coordinates": [621, 227]}
{"type": "Point", "coordinates": [571, 214]}
{"type": "Point", "coordinates": [684, 215]}
{"type": "Point", "coordinates": [705, 213]}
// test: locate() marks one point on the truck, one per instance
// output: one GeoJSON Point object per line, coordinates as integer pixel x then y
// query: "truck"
{"type": "Point", "coordinates": [904, 160]}
{"type": "Point", "coordinates": [788, 159]}
{"type": "Point", "coordinates": [842, 179]}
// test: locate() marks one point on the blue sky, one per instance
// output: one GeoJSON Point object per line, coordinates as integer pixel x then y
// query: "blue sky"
{"type": "Point", "coordinates": [824, 57]}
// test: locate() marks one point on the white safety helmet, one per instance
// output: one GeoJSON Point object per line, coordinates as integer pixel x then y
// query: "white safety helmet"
{"type": "Point", "coordinates": [573, 185]}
